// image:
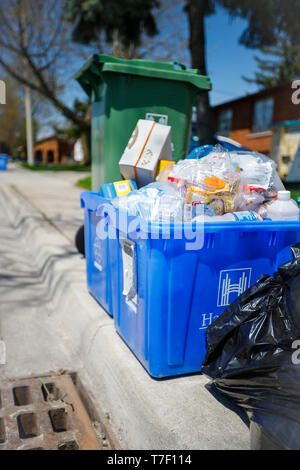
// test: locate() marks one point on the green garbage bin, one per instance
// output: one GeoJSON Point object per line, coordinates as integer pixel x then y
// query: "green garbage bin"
{"type": "Point", "coordinates": [123, 91]}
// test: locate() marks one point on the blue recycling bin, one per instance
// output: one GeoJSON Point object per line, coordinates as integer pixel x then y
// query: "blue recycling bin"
{"type": "Point", "coordinates": [100, 250]}
{"type": "Point", "coordinates": [3, 161]}
{"type": "Point", "coordinates": [168, 293]}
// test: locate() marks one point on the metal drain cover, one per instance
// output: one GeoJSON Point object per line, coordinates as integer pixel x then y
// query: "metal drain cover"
{"type": "Point", "coordinates": [44, 414]}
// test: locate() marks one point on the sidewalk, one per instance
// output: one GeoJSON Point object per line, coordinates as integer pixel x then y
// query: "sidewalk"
{"type": "Point", "coordinates": [50, 322]}
{"type": "Point", "coordinates": [53, 194]}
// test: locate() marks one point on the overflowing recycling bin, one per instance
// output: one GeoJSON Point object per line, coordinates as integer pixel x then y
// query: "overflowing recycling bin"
{"type": "Point", "coordinates": [179, 292]}
{"type": "Point", "coordinates": [123, 91]}
{"type": "Point", "coordinates": [171, 245]}
{"type": "Point", "coordinates": [3, 161]}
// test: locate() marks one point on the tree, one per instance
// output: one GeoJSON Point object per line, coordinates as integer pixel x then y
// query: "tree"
{"type": "Point", "coordinates": [11, 117]}
{"type": "Point", "coordinates": [36, 50]}
{"type": "Point", "coordinates": [117, 22]}
{"type": "Point", "coordinates": [197, 11]}
{"type": "Point", "coordinates": [281, 63]}
{"type": "Point", "coordinates": [265, 20]}
{"type": "Point", "coordinates": [121, 21]}
{"type": "Point", "coordinates": [160, 27]}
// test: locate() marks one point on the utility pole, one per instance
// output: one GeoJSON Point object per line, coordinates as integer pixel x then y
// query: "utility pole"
{"type": "Point", "coordinates": [29, 130]}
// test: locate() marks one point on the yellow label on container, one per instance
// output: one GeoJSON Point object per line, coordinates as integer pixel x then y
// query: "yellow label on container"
{"type": "Point", "coordinates": [123, 187]}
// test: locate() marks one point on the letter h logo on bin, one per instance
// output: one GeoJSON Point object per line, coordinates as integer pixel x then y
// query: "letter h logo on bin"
{"type": "Point", "coordinates": [233, 283]}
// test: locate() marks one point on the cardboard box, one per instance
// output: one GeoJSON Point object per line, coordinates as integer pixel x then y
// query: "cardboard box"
{"type": "Point", "coordinates": [119, 188]}
{"type": "Point", "coordinates": [149, 143]}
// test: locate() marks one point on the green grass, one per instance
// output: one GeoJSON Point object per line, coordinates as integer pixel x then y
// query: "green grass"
{"type": "Point", "coordinates": [85, 183]}
{"type": "Point", "coordinates": [294, 188]}
{"type": "Point", "coordinates": [52, 167]}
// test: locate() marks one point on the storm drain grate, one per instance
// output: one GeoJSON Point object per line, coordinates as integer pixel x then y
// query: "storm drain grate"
{"type": "Point", "coordinates": [44, 414]}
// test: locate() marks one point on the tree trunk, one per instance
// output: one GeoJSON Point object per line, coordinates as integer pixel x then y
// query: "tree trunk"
{"type": "Point", "coordinates": [196, 11]}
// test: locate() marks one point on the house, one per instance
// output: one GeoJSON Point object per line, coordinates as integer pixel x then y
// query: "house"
{"type": "Point", "coordinates": [266, 122]}
{"type": "Point", "coordinates": [53, 149]}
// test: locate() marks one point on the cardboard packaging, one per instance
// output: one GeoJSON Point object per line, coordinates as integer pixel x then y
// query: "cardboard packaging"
{"type": "Point", "coordinates": [119, 188]}
{"type": "Point", "coordinates": [149, 143]}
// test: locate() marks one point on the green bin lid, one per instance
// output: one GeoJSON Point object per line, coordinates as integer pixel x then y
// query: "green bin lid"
{"type": "Point", "coordinates": [90, 75]}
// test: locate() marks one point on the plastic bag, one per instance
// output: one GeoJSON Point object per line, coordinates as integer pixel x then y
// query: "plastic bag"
{"type": "Point", "coordinates": [163, 176]}
{"type": "Point", "coordinates": [248, 200]}
{"type": "Point", "coordinates": [200, 152]}
{"type": "Point", "coordinates": [252, 354]}
{"type": "Point", "coordinates": [257, 169]}
{"type": "Point", "coordinates": [157, 202]}
{"type": "Point", "coordinates": [213, 182]}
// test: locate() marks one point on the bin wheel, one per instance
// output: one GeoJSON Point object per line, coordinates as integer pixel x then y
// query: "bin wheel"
{"type": "Point", "coordinates": [79, 240]}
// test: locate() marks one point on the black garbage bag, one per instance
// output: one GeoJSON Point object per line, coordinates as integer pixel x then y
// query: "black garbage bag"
{"type": "Point", "coordinates": [253, 355]}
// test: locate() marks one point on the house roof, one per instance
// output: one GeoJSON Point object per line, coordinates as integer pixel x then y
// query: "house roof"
{"type": "Point", "coordinates": [54, 137]}
{"type": "Point", "coordinates": [49, 137]}
{"type": "Point", "coordinates": [259, 94]}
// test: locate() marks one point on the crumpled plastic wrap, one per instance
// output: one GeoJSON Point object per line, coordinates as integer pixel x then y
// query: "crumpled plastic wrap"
{"type": "Point", "coordinates": [260, 182]}
{"type": "Point", "coordinates": [248, 200]}
{"type": "Point", "coordinates": [210, 181]}
{"type": "Point", "coordinates": [219, 183]}
{"type": "Point", "coordinates": [257, 169]}
{"type": "Point", "coordinates": [157, 202]}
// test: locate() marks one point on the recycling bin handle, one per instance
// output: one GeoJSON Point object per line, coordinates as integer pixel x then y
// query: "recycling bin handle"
{"type": "Point", "coordinates": [182, 66]}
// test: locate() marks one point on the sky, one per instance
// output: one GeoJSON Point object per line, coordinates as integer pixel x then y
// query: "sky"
{"type": "Point", "coordinates": [227, 60]}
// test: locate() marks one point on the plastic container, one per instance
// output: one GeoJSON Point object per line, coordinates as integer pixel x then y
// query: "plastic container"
{"type": "Point", "coordinates": [169, 293]}
{"type": "Point", "coordinates": [101, 254]}
{"type": "Point", "coordinates": [3, 161]}
{"type": "Point", "coordinates": [284, 208]}
{"type": "Point", "coordinates": [124, 91]}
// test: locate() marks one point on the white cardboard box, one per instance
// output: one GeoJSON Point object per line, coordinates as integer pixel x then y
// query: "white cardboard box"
{"type": "Point", "coordinates": [149, 143]}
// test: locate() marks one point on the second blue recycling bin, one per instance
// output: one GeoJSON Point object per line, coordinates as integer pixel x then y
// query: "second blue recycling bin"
{"type": "Point", "coordinates": [100, 251]}
{"type": "Point", "coordinates": [3, 161]}
{"type": "Point", "coordinates": [169, 293]}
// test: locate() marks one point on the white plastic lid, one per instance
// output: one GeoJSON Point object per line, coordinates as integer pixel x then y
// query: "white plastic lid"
{"type": "Point", "coordinates": [284, 195]}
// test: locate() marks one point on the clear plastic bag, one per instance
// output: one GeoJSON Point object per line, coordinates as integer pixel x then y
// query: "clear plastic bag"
{"type": "Point", "coordinates": [164, 174]}
{"type": "Point", "coordinates": [200, 152]}
{"type": "Point", "coordinates": [211, 181]}
{"type": "Point", "coordinates": [248, 200]}
{"type": "Point", "coordinates": [257, 169]}
{"type": "Point", "coordinates": [157, 202]}
{"type": "Point", "coordinates": [260, 181]}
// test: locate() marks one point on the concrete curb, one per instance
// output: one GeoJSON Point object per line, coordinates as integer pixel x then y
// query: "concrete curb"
{"type": "Point", "coordinates": [142, 413]}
